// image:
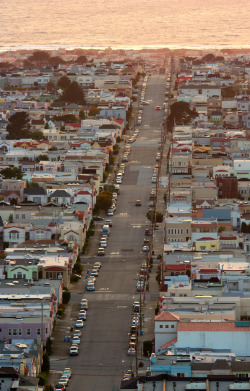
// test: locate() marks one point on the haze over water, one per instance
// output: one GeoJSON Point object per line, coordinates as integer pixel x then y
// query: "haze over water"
{"type": "Point", "coordinates": [125, 23]}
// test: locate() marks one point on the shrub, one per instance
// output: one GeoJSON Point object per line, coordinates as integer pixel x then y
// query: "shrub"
{"type": "Point", "coordinates": [147, 348]}
{"type": "Point", "coordinates": [46, 363]}
{"type": "Point", "coordinates": [60, 312]}
{"type": "Point", "coordinates": [74, 278]}
{"type": "Point", "coordinates": [78, 267]}
{"type": "Point", "coordinates": [66, 297]}
{"type": "Point", "coordinates": [42, 378]}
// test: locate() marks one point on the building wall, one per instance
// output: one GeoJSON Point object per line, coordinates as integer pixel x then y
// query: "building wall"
{"type": "Point", "coordinates": [212, 245]}
{"type": "Point", "coordinates": [164, 332]}
{"type": "Point", "coordinates": [237, 342]}
{"type": "Point", "coordinates": [227, 187]}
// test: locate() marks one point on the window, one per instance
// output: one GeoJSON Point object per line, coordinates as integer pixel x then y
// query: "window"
{"type": "Point", "coordinates": [17, 217]}
{"type": "Point", "coordinates": [28, 331]}
{"type": "Point", "coordinates": [172, 326]}
{"type": "Point", "coordinates": [13, 236]}
{"type": "Point", "coordinates": [161, 326]}
{"type": "Point", "coordinates": [19, 331]}
{"type": "Point", "coordinates": [166, 326]}
{"type": "Point", "coordinates": [14, 332]}
{"type": "Point", "coordinates": [38, 331]}
{"type": "Point", "coordinates": [46, 330]}
{"type": "Point", "coordinates": [9, 332]}
{"type": "Point", "coordinates": [23, 216]}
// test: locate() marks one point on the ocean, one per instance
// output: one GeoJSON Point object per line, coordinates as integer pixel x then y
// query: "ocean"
{"type": "Point", "coordinates": [134, 24]}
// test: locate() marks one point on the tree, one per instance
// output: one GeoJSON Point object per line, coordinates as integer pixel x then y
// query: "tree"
{"type": "Point", "coordinates": [55, 61]}
{"type": "Point", "coordinates": [64, 82]}
{"type": "Point", "coordinates": [81, 60]}
{"type": "Point", "coordinates": [66, 297]}
{"type": "Point", "coordinates": [50, 86]}
{"type": "Point", "coordinates": [209, 57]}
{"type": "Point", "coordinates": [93, 111]}
{"type": "Point", "coordinates": [19, 126]}
{"type": "Point", "coordinates": [227, 92]}
{"type": "Point", "coordinates": [46, 364]}
{"type": "Point", "coordinates": [180, 114]}
{"type": "Point", "coordinates": [12, 173]}
{"type": "Point", "coordinates": [78, 268]}
{"type": "Point", "coordinates": [48, 387]}
{"type": "Point", "coordinates": [73, 94]}
{"type": "Point", "coordinates": [39, 57]}
{"type": "Point", "coordinates": [158, 216]}
{"type": "Point", "coordinates": [42, 157]}
{"type": "Point", "coordinates": [37, 135]}
{"type": "Point", "coordinates": [81, 114]}
{"type": "Point", "coordinates": [104, 200]}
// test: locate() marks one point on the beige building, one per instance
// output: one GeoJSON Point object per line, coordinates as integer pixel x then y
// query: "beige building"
{"type": "Point", "coordinates": [180, 163]}
{"type": "Point", "coordinates": [178, 229]}
{"type": "Point", "coordinates": [181, 181]}
{"type": "Point", "coordinates": [204, 190]}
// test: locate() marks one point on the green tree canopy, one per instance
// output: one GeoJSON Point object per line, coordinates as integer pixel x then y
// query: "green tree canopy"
{"type": "Point", "coordinates": [181, 114]}
{"type": "Point", "coordinates": [73, 94]}
{"type": "Point", "coordinates": [104, 200]}
{"type": "Point", "coordinates": [55, 61]}
{"type": "Point", "coordinates": [81, 60]}
{"type": "Point", "coordinates": [37, 135]}
{"type": "Point", "coordinates": [39, 57]}
{"type": "Point", "coordinates": [50, 86]}
{"type": "Point", "coordinates": [12, 173]}
{"type": "Point", "coordinates": [81, 114]}
{"type": "Point", "coordinates": [42, 157]}
{"type": "Point", "coordinates": [64, 82]}
{"type": "Point", "coordinates": [19, 126]}
{"type": "Point", "coordinates": [93, 111]}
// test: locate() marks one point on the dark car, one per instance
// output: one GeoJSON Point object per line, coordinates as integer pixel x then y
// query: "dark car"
{"type": "Point", "coordinates": [146, 241]}
{"type": "Point", "coordinates": [147, 231]}
{"type": "Point", "coordinates": [98, 218]}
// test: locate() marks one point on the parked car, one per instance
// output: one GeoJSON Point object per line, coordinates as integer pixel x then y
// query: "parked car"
{"type": "Point", "coordinates": [90, 286]}
{"type": "Point", "coordinates": [138, 203]}
{"type": "Point", "coordinates": [79, 324]}
{"type": "Point", "coordinates": [108, 222]}
{"type": "Point", "coordinates": [77, 333]}
{"type": "Point", "coordinates": [67, 371]}
{"type": "Point", "coordinates": [82, 316]}
{"type": "Point", "coordinates": [100, 251]}
{"type": "Point", "coordinates": [84, 304]}
{"type": "Point", "coordinates": [76, 340]}
{"type": "Point", "coordinates": [103, 243]}
{"type": "Point", "coordinates": [73, 351]}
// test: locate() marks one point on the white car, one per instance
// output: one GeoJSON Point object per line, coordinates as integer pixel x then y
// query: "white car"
{"type": "Point", "coordinates": [103, 243]}
{"type": "Point", "coordinates": [73, 351]}
{"type": "Point", "coordinates": [145, 248]}
{"type": "Point", "coordinates": [76, 340]}
{"type": "Point", "coordinates": [79, 324]}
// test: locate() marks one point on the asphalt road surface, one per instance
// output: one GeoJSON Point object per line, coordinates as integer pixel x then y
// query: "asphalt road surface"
{"type": "Point", "coordinates": [103, 356]}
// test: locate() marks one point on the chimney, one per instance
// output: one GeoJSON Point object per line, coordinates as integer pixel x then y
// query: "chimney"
{"type": "Point", "coordinates": [22, 366]}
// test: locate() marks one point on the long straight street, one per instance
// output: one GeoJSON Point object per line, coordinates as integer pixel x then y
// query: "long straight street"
{"type": "Point", "coordinates": [103, 355]}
